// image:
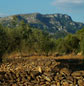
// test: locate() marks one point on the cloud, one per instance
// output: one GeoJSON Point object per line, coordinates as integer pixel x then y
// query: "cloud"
{"type": "Point", "coordinates": [55, 2]}
{"type": "Point", "coordinates": [69, 5]}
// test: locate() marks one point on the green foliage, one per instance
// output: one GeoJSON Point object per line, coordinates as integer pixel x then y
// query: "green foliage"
{"type": "Point", "coordinates": [69, 44]}
{"type": "Point", "coordinates": [80, 35]}
{"type": "Point", "coordinates": [48, 45]}
{"type": "Point", "coordinates": [30, 40]}
{"type": "Point", "coordinates": [73, 42]}
{"type": "Point", "coordinates": [3, 42]}
{"type": "Point", "coordinates": [63, 47]}
{"type": "Point", "coordinates": [24, 39]}
{"type": "Point", "coordinates": [59, 34]}
{"type": "Point", "coordinates": [82, 45]}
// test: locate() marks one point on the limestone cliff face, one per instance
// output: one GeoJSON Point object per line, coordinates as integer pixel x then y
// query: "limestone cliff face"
{"type": "Point", "coordinates": [49, 22]}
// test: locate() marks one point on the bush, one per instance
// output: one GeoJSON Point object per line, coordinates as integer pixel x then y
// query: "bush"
{"type": "Point", "coordinates": [82, 45]}
{"type": "Point", "coordinates": [63, 47]}
{"type": "Point", "coordinates": [3, 42]}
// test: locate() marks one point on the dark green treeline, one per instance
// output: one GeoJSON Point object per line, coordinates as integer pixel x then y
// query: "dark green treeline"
{"type": "Point", "coordinates": [25, 39]}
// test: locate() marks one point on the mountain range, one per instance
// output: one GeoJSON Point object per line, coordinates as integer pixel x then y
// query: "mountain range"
{"type": "Point", "coordinates": [51, 23]}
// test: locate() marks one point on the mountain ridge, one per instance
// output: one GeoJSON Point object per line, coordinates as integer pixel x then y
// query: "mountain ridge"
{"type": "Point", "coordinates": [48, 22]}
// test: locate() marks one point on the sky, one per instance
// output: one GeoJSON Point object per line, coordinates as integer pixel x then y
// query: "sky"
{"type": "Point", "coordinates": [74, 8]}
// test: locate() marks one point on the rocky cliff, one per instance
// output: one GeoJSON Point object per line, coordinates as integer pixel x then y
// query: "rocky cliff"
{"type": "Point", "coordinates": [48, 22]}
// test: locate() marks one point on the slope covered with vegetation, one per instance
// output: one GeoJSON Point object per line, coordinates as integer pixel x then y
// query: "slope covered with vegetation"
{"type": "Point", "coordinates": [24, 39]}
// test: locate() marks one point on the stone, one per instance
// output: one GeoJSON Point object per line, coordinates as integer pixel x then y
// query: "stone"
{"type": "Point", "coordinates": [39, 69]}
{"type": "Point", "coordinates": [39, 72]}
{"type": "Point", "coordinates": [53, 85]}
{"type": "Point", "coordinates": [47, 78]}
{"type": "Point", "coordinates": [81, 82]}
{"type": "Point", "coordinates": [78, 74]}
{"type": "Point", "coordinates": [14, 84]}
{"type": "Point", "coordinates": [58, 83]}
{"type": "Point", "coordinates": [65, 83]}
{"type": "Point", "coordinates": [65, 71]}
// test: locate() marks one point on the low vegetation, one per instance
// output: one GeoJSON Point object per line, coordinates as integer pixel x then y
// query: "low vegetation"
{"type": "Point", "coordinates": [24, 39]}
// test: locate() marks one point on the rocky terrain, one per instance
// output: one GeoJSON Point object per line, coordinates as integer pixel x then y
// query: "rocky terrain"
{"type": "Point", "coordinates": [51, 23]}
{"type": "Point", "coordinates": [42, 71]}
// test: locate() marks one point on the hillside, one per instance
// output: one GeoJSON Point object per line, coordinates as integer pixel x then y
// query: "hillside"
{"type": "Point", "coordinates": [51, 23]}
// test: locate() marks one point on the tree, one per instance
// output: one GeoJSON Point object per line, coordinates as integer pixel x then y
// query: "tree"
{"type": "Point", "coordinates": [63, 47]}
{"type": "Point", "coordinates": [73, 42]}
{"type": "Point", "coordinates": [47, 44]}
{"type": "Point", "coordinates": [3, 42]}
{"type": "Point", "coordinates": [80, 33]}
{"type": "Point", "coordinates": [82, 45]}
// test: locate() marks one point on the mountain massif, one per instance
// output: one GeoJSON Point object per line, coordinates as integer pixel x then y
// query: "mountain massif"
{"type": "Point", "coordinates": [51, 23]}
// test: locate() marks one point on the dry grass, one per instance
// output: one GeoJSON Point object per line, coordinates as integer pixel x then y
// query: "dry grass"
{"type": "Point", "coordinates": [15, 55]}
{"type": "Point", "coordinates": [80, 57]}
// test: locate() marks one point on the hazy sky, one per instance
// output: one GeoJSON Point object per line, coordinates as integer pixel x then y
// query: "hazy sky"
{"type": "Point", "coordinates": [74, 8]}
